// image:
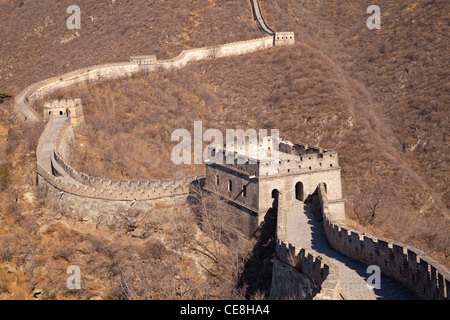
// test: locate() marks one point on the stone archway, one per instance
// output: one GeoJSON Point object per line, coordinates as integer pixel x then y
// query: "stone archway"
{"type": "Point", "coordinates": [275, 194]}
{"type": "Point", "coordinates": [275, 201]}
{"type": "Point", "coordinates": [300, 191]}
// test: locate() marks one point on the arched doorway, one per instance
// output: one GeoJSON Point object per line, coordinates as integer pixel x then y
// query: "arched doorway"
{"type": "Point", "coordinates": [275, 194]}
{"type": "Point", "coordinates": [272, 215]}
{"type": "Point", "coordinates": [275, 199]}
{"type": "Point", "coordinates": [299, 192]}
{"type": "Point", "coordinates": [257, 272]}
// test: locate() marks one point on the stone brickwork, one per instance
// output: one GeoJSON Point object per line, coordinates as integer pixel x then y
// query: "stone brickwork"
{"type": "Point", "coordinates": [111, 189]}
{"type": "Point", "coordinates": [284, 38]}
{"type": "Point", "coordinates": [144, 60]}
{"type": "Point", "coordinates": [294, 171]}
{"type": "Point", "coordinates": [226, 50]}
{"type": "Point", "coordinates": [24, 101]}
{"type": "Point", "coordinates": [239, 219]}
{"type": "Point", "coordinates": [420, 274]}
{"type": "Point", "coordinates": [245, 189]}
{"type": "Point", "coordinates": [64, 143]}
{"type": "Point", "coordinates": [322, 279]}
{"type": "Point", "coordinates": [259, 18]}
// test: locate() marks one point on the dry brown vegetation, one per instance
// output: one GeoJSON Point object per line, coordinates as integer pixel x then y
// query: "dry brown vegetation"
{"type": "Point", "coordinates": [173, 260]}
{"type": "Point", "coordinates": [319, 91]}
{"type": "Point", "coordinates": [37, 243]}
{"type": "Point", "coordinates": [36, 43]}
{"type": "Point", "coordinates": [379, 98]}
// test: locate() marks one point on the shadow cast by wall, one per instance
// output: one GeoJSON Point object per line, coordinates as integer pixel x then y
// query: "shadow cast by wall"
{"type": "Point", "coordinates": [257, 274]}
{"type": "Point", "coordinates": [320, 243]}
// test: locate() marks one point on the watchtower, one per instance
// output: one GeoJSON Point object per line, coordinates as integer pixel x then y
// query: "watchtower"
{"type": "Point", "coordinates": [247, 187]}
{"type": "Point", "coordinates": [144, 61]}
{"type": "Point", "coordinates": [284, 38]}
{"type": "Point", "coordinates": [71, 108]}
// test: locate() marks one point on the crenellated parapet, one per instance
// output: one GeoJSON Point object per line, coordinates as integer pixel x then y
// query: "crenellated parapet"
{"type": "Point", "coordinates": [421, 275]}
{"type": "Point", "coordinates": [284, 38]}
{"type": "Point", "coordinates": [122, 191]}
{"type": "Point", "coordinates": [319, 270]}
{"type": "Point", "coordinates": [72, 108]}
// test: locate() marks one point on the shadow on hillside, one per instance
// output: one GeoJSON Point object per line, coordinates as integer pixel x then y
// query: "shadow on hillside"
{"type": "Point", "coordinates": [256, 277]}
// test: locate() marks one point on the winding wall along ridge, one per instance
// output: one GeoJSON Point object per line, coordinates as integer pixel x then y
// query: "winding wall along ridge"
{"type": "Point", "coordinates": [24, 101]}
{"type": "Point", "coordinates": [109, 189]}
{"type": "Point", "coordinates": [424, 277]}
{"type": "Point", "coordinates": [421, 275]}
{"type": "Point", "coordinates": [260, 18]}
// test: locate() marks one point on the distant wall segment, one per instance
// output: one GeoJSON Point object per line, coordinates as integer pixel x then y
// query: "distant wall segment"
{"type": "Point", "coordinates": [24, 101]}
{"type": "Point", "coordinates": [83, 185]}
{"type": "Point", "coordinates": [50, 164]}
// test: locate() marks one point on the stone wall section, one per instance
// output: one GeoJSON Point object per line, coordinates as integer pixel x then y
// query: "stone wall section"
{"type": "Point", "coordinates": [24, 101]}
{"type": "Point", "coordinates": [259, 18]}
{"type": "Point", "coordinates": [323, 275]}
{"type": "Point", "coordinates": [118, 214]}
{"type": "Point", "coordinates": [421, 275]}
{"type": "Point", "coordinates": [226, 50]}
{"type": "Point", "coordinates": [301, 262]}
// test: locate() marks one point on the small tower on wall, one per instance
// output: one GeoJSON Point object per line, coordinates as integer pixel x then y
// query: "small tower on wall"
{"type": "Point", "coordinates": [70, 108]}
{"type": "Point", "coordinates": [243, 189]}
{"type": "Point", "coordinates": [75, 112]}
{"type": "Point", "coordinates": [284, 38]}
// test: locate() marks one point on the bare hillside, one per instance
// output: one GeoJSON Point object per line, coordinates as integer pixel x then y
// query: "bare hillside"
{"type": "Point", "coordinates": [36, 43]}
{"type": "Point", "coordinates": [378, 97]}
{"type": "Point", "coordinates": [335, 88]}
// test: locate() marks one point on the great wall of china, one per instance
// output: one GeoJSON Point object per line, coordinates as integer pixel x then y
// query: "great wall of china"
{"type": "Point", "coordinates": [298, 251]}
{"type": "Point", "coordinates": [423, 277]}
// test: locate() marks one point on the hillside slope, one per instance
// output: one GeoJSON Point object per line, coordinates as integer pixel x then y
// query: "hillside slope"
{"type": "Point", "coordinates": [335, 88]}
{"type": "Point", "coordinates": [378, 97]}
{"type": "Point", "coordinates": [36, 43]}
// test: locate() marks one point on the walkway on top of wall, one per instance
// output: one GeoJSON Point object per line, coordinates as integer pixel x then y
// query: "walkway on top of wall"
{"type": "Point", "coordinates": [260, 18]}
{"type": "Point", "coordinates": [304, 231]}
{"type": "Point", "coordinates": [49, 147]}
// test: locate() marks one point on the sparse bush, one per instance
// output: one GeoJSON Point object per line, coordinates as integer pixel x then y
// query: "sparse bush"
{"type": "Point", "coordinates": [4, 177]}
{"type": "Point", "coordinates": [4, 96]}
